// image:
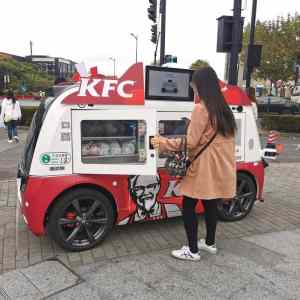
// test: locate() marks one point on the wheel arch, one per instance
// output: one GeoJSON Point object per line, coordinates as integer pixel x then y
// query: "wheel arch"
{"type": "Point", "coordinates": [251, 176]}
{"type": "Point", "coordinates": [78, 186]}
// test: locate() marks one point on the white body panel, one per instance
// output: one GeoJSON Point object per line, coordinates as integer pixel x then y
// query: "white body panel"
{"type": "Point", "coordinates": [60, 136]}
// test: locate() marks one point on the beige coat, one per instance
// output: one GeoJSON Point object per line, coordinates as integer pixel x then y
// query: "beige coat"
{"type": "Point", "coordinates": [213, 174]}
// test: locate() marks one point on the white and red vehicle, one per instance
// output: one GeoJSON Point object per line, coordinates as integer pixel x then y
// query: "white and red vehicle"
{"type": "Point", "coordinates": [88, 164]}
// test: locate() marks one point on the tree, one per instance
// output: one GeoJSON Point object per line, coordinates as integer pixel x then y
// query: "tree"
{"type": "Point", "coordinates": [198, 64]}
{"type": "Point", "coordinates": [281, 46]}
{"type": "Point", "coordinates": [24, 74]}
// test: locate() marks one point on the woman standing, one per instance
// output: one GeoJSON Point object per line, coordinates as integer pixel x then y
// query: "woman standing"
{"type": "Point", "coordinates": [10, 114]}
{"type": "Point", "coordinates": [212, 176]}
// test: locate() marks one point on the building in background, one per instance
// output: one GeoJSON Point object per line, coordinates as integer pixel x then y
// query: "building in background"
{"type": "Point", "coordinates": [61, 68]}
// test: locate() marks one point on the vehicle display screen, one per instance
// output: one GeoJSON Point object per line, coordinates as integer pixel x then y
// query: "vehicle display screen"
{"type": "Point", "coordinates": [168, 84]}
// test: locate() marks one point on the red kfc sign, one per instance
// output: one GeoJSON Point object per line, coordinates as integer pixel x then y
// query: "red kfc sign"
{"type": "Point", "coordinates": [99, 89]}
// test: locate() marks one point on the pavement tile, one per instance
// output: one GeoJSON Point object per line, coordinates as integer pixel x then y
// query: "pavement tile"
{"type": "Point", "coordinates": [98, 253]}
{"type": "Point", "coordinates": [41, 275]}
{"type": "Point", "coordinates": [18, 286]}
{"type": "Point", "coordinates": [275, 242]}
{"type": "Point", "coordinates": [86, 257]}
{"type": "Point", "coordinates": [128, 288]}
{"type": "Point", "coordinates": [79, 292]}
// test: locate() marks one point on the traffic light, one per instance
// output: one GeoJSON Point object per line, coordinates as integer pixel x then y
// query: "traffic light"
{"type": "Point", "coordinates": [154, 33]}
{"type": "Point", "coordinates": [225, 30]}
{"type": "Point", "coordinates": [152, 10]}
{"type": "Point", "coordinates": [170, 59]}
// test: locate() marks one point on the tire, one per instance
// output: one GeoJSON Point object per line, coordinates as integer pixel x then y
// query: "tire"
{"type": "Point", "coordinates": [81, 219]}
{"type": "Point", "coordinates": [240, 206]}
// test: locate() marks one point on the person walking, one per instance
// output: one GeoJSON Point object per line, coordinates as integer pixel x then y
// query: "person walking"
{"type": "Point", "coordinates": [10, 114]}
{"type": "Point", "coordinates": [212, 175]}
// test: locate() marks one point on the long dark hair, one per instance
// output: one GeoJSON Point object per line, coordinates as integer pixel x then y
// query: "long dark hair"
{"type": "Point", "coordinates": [11, 95]}
{"type": "Point", "coordinates": [209, 91]}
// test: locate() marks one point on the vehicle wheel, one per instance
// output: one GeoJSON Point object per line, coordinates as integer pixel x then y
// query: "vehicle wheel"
{"type": "Point", "coordinates": [240, 206]}
{"type": "Point", "coordinates": [81, 219]}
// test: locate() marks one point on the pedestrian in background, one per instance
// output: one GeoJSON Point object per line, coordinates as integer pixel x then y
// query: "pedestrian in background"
{"type": "Point", "coordinates": [212, 176]}
{"type": "Point", "coordinates": [10, 114]}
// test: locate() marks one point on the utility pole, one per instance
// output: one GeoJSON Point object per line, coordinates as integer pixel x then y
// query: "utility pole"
{"type": "Point", "coordinates": [251, 43]}
{"type": "Point", "coordinates": [31, 43]}
{"type": "Point", "coordinates": [236, 42]}
{"type": "Point", "coordinates": [156, 46]}
{"type": "Point", "coordinates": [163, 5]}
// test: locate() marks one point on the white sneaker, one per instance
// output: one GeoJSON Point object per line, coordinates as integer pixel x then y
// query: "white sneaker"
{"type": "Point", "coordinates": [210, 249]}
{"type": "Point", "coordinates": [16, 138]}
{"type": "Point", "coordinates": [10, 141]}
{"type": "Point", "coordinates": [185, 254]}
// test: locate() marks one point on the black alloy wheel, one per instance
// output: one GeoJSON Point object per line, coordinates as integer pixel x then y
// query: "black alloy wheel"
{"type": "Point", "coordinates": [81, 219]}
{"type": "Point", "coordinates": [241, 205]}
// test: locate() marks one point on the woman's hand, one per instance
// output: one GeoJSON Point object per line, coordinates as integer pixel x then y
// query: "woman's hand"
{"type": "Point", "coordinates": [155, 142]}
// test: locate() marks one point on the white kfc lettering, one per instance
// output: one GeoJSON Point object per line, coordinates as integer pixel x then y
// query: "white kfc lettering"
{"type": "Point", "coordinates": [85, 86]}
{"type": "Point", "coordinates": [107, 87]}
{"type": "Point", "coordinates": [121, 88]}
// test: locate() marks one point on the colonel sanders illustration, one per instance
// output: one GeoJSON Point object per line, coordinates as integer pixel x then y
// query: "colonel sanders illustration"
{"type": "Point", "coordinates": [144, 191]}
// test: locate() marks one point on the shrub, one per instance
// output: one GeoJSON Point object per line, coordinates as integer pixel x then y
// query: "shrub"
{"type": "Point", "coordinates": [287, 123]}
{"type": "Point", "coordinates": [27, 114]}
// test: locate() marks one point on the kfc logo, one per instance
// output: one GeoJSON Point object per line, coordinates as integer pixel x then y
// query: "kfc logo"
{"type": "Point", "coordinates": [105, 87]}
{"type": "Point", "coordinates": [99, 89]}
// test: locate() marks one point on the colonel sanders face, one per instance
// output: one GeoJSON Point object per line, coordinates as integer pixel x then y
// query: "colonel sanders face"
{"type": "Point", "coordinates": [144, 191]}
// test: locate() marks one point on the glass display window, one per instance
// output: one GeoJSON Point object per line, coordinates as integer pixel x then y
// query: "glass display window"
{"type": "Point", "coordinates": [172, 129]}
{"type": "Point", "coordinates": [113, 141]}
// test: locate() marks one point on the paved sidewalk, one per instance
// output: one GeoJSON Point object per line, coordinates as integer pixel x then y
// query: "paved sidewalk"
{"type": "Point", "coordinates": [20, 248]}
{"type": "Point", "coordinates": [9, 154]}
{"type": "Point", "coordinates": [261, 267]}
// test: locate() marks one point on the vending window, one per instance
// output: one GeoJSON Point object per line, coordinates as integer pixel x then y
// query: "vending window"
{"type": "Point", "coordinates": [172, 129]}
{"type": "Point", "coordinates": [113, 141]}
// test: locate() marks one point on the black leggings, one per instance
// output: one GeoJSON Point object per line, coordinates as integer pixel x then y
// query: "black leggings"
{"type": "Point", "coordinates": [190, 221]}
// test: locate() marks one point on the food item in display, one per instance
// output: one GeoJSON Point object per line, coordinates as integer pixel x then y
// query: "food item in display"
{"type": "Point", "coordinates": [86, 149]}
{"type": "Point", "coordinates": [93, 149]}
{"type": "Point", "coordinates": [115, 148]}
{"type": "Point", "coordinates": [104, 149]}
{"type": "Point", "coordinates": [128, 148]}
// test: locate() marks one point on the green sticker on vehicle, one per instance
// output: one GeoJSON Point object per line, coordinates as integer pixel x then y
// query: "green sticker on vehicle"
{"type": "Point", "coordinates": [55, 158]}
{"type": "Point", "coordinates": [45, 159]}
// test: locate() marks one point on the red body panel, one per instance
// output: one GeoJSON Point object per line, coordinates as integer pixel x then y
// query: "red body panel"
{"type": "Point", "coordinates": [40, 192]}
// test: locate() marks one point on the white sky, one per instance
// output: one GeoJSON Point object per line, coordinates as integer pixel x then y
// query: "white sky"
{"type": "Point", "coordinates": [94, 30]}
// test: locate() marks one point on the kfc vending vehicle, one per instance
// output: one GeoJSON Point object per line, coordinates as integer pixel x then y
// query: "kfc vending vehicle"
{"type": "Point", "coordinates": [88, 163]}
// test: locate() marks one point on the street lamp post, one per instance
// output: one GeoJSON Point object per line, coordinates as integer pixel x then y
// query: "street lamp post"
{"type": "Point", "coordinates": [136, 45]}
{"type": "Point", "coordinates": [114, 61]}
{"type": "Point", "coordinates": [249, 67]}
